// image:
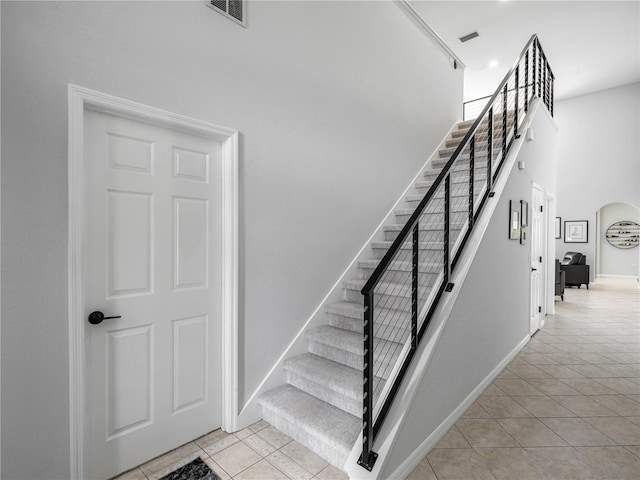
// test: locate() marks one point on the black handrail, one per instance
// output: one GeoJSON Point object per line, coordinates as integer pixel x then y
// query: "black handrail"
{"type": "Point", "coordinates": [542, 85]}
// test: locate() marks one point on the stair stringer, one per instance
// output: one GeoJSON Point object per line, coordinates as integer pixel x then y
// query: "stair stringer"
{"type": "Point", "coordinates": [405, 395]}
{"type": "Point", "coordinates": [251, 411]}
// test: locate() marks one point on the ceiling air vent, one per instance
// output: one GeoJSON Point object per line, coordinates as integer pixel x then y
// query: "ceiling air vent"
{"type": "Point", "coordinates": [470, 36]}
{"type": "Point", "coordinates": [235, 10]}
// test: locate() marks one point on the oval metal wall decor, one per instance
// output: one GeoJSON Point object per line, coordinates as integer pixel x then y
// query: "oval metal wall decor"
{"type": "Point", "coordinates": [624, 234]}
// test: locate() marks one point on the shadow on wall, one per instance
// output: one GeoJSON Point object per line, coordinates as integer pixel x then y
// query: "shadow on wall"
{"type": "Point", "coordinates": [617, 241]}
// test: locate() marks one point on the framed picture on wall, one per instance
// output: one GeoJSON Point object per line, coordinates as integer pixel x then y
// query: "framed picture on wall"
{"type": "Point", "coordinates": [524, 213]}
{"type": "Point", "coordinates": [576, 231]}
{"type": "Point", "coordinates": [558, 228]}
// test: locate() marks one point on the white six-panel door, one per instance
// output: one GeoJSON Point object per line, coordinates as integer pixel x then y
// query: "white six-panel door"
{"type": "Point", "coordinates": [537, 262]}
{"type": "Point", "coordinates": [152, 257]}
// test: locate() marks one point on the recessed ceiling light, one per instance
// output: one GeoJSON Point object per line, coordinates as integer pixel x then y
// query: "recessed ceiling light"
{"type": "Point", "coordinates": [469, 36]}
{"type": "Point", "coordinates": [493, 64]}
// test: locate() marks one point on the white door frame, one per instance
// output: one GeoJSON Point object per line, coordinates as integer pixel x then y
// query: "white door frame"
{"type": "Point", "coordinates": [81, 99]}
{"type": "Point", "coordinates": [542, 280]}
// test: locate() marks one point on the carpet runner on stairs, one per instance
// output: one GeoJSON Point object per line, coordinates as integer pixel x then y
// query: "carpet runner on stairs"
{"type": "Point", "coordinates": [320, 406]}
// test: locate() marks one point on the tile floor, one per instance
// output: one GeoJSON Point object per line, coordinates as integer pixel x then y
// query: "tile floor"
{"type": "Point", "coordinates": [567, 407]}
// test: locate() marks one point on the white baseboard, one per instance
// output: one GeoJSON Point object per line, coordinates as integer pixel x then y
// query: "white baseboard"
{"type": "Point", "coordinates": [405, 469]}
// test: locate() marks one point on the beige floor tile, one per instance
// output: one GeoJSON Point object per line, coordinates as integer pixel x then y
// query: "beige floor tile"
{"type": "Point", "coordinates": [332, 473]}
{"type": "Point", "coordinates": [531, 432]}
{"type": "Point", "coordinates": [210, 438]}
{"type": "Point", "coordinates": [215, 468]}
{"type": "Point", "coordinates": [220, 443]}
{"type": "Point", "coordinates": [262, 470]}
{"type": "Point", "coordinates": [453, 439]}
{"type": "Point", "coordinates": [577, 432]}
{"type": "Point", "coordinates": [274, 436]}
{"type": "Point", "coordinates": [304, 457]}
{"type": "Point", "coordinates": [623, 357]}
{"type": "Point", "coordinates": [620, 429]}
{"type": "Point", "coordinates": [591, 371]}
{"type": "Point", "coordinates": [537, 358]}
{"type": "Point", "coordinates": [135, 474]}
{"type": "Point", "coordinates": [503, 407]}
{"type": "Point", "coordinates": [236, 458]}
{"type": "Point", "coordinates": [624, 370]}
{"type": "Point", "coordinates": [614, 462]}
{"type": "Point", "coordinates": [480, 432]}
{"type": "Point", "coordinates": [293, 470]}
{"type": "Point", "coordinates": [527, 371]}
{"type": "Point", "coordinates": [466, 464]}
{"type": "Point", "coordinates": [619, 404]}
{"type": "Point", "coordinates": [552, 386]}
{"type": "Point", "coordinates": [564, 463]}
{"type": "Point", "coordinates": [588, 386]}
{"type": "Point", "coordinates": [567, 358]}
{"type": "Point", "coordinates": [260, 445]}
{"type": "Point", "coordinates": [244, 433]}
{"type": "Point", "coordinates": [594, 358]}
{"type": "Point", "coordinates": [256, 427]}
{"type": "Point", "coordinates": [621, 385]}
{"type": "Point", "coordinates": [422, 472]}
{"type": "Point", "coordinates": [516, 387]}
{"type": "Point", "coordinates": [561, 371]}
{"type": "Point", "coordinates": [541, 406]}
{"type": "Point", "coordinates": [582, 406]}
{"type": "Point", "coordinates": [492, 391]}
{"type": "Point", "coordinates": [476, 411]}
{"type": "Point", "coordinates": [510, 463]}
{"type": "Point", "coordinates": [170, 458]}
{"type": "Point", "coordinates": [635, 449]}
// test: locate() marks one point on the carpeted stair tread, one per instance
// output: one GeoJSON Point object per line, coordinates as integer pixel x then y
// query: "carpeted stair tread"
{"type": "Point", "coordinates": [396, 227]}
{"type": "Point", "coordinates": [344, 380]}
{"type": "Point", "coordinates": [403, 265]}
{"type": "Point", "coordinates": [313, 418]}
{"type": "Point", "coordinates": [346, 340]}
{"type": "Point", "coordinates": [356, 311]}
{"type": "Point", "coordinates": [386, 244]}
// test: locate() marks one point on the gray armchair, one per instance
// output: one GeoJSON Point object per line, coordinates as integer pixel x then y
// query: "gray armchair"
{"type": "Point", "coordinates": [560, 281]}
{"type": "Point", "coordinates": [576, 270]}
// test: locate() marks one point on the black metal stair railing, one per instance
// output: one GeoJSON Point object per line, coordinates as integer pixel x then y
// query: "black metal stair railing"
{"type": "Point", "coordinates": [403, 291]}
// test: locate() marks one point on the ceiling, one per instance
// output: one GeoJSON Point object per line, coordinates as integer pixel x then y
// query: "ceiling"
{"type": "Point", "coordinates": [590, 45]}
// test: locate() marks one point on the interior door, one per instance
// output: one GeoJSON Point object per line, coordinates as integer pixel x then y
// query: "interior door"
{"type": "Point", "coordinates": [537, 265]}
{"type": "Point", "coordinates": [153, 242]}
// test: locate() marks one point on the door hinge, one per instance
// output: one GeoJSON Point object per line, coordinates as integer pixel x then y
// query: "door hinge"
{"type": "Point", "coordinates": [539, 309]}
{"type": "Point", "coordinates": [540, 259]}
{"type": "Point", "coordinates": [541, 208]}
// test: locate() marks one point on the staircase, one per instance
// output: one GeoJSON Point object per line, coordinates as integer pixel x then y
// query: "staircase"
{"type": "Point", "coordinates": [321, 404]}
{"type": "Point", "coordinates": [356, 361]}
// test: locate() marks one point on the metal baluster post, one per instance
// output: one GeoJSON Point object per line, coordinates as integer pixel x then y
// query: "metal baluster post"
{"type": "Point", "coordinates": [472, 154]}
{"type": "Point", "coordinates": [447, 226]}
{"type": "Point", "coordinates": [368, 457]}
{"type": "Point", "coordinates": [526, 81]}
{"type": "Point", "coordinates": [490, 150]}
{"type": "Point", "coordinates": [505, 92]}
{"type": "Point", "coordinates": [414, 288]}
{"type": "Point", "coordinates": [515, 112]}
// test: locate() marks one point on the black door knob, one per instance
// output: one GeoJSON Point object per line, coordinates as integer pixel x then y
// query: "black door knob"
{"type": "Point", "coordinates": [97, 317]}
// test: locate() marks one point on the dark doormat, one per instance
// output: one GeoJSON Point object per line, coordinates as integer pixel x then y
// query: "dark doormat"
{"type": "Point", "coordinates": [196, 470]}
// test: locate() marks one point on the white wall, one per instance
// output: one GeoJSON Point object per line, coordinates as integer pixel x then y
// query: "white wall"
{"type": "Point", "coordinates": [612, 260]}
{"type": "Point", "coordinates": [491, 315]}
{"type": "Point", "coordinates": [338, 104]}
{"type": "Point", "coordinates": [599, 160]}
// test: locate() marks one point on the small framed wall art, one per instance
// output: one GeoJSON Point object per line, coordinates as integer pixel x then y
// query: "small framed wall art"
{"type": "Point", "coordinates": [514, 221]}
{"type": "Point", "coordinates": [576, 231]}
{"type": "Point", "coordinates": [524, 213]}
{"type": "Point", "coordinates": [558, 227]}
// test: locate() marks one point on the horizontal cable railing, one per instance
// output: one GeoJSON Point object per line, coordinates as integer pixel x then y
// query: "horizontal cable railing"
{"type": "Point", "coordinates": [403, 290]}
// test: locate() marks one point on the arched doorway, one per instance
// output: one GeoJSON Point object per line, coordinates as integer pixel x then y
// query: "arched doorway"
{"type": "Point", "coordinates": [615, 260]}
